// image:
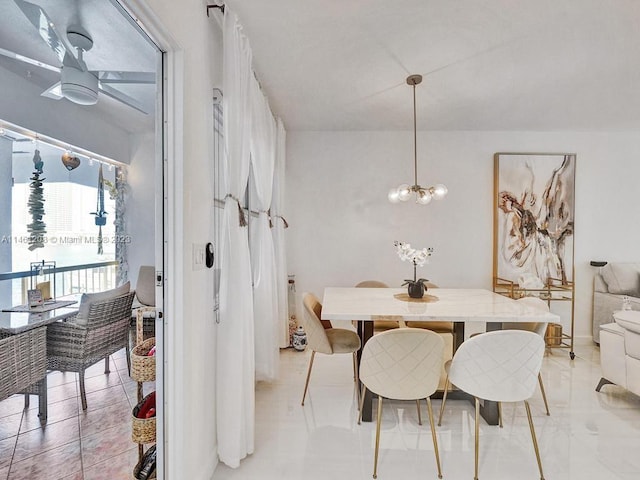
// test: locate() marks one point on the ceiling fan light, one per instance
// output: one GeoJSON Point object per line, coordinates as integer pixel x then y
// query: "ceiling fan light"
{"type": "Point", "coordinates": [439, 191]}
{"type": "Point", "coordinates": [79, 86]}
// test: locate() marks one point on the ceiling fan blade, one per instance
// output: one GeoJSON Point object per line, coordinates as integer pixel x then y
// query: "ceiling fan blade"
{"type": "Point", "coordinates": [122, 97]}
{"type": "Point", "coordinates": [54, 91]}
{"type": "Point", "coordinates": [146, 78]}
{"type": "Point", "coordinates": [41, 21]}
{"type": "Point", "coordinates": [31, 61]}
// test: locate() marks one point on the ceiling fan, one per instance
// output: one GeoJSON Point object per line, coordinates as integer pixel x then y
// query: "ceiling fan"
{"type": "Point", "coordinates": [77, 83]}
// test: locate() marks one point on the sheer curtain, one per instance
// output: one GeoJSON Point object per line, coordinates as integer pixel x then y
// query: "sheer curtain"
{"type": "Point", "coordinates": [263, 264]}
{"type": "Point", "coordinates": [235, 365]}
{"type": "Point", "coordinates": [279, 225]}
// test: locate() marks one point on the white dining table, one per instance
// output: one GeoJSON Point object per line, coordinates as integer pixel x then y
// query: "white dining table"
{"type": "Point", "coordinates": [457, 305]}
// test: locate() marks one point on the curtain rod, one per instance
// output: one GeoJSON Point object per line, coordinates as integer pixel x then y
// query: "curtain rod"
{"type": "Point", "coordinates": [220, 7]}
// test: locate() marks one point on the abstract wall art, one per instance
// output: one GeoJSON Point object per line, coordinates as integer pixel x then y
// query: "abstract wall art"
{"type": "Point", "coordinates": [534, 218]}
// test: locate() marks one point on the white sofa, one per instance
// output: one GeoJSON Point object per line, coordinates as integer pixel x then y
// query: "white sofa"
{"type": "Point", "coordinates": [611, 284]}
{"type": "Point", "coordinates": [620, 351]}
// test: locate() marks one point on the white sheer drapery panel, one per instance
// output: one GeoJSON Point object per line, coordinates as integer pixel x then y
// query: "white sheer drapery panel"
{"type": "Point", "coordinates": [235, 365]}
{"type": "Point", "coordinates": [263, 263]}
{"type": "Point", "coordinates": [278, 230]}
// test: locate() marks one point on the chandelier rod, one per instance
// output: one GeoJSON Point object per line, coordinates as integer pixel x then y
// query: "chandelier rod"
{"type": "Point", "coordinates": [415, 139]}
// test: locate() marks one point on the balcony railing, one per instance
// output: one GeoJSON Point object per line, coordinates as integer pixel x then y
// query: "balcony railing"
{"type": "Point", "coordinates": [87, 278]}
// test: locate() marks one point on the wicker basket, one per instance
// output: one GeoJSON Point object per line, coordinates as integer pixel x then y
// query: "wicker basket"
{"type": "Point", "coordinates": [143, 430]}
{"type": "Point", "coordinates": [553, 335]}
{"type": "Point", "coordinates": [143, 368]}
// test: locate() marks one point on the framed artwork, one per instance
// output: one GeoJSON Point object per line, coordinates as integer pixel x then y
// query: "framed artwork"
{"type": "Point", "coordinates": [534, 204]}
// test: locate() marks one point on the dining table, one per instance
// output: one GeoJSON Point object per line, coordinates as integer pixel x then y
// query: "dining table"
{"type": "Point", "coordinates": [461, 306]}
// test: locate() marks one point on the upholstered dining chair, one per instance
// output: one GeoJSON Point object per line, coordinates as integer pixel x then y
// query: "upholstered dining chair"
{"type": "Point", "coordinates": [323, 338]}
{"type": "Point", "coordinates": [402, 364]}
{"type": "Point", "coordinates": [100, 328]}
{"type": "Point", "coordinates": [499, 366]}
{"type": "Point", "coordinates": [382, 324]}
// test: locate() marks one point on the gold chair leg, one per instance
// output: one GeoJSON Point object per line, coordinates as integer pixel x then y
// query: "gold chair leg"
{"type": "Point", "coordinates": [533, 437]}
{"type": "Point", "coordinates": [375, 456]}
{"type": "Point", "coordinates": [500, 414]}
{"type": "Point", "coordinates": [433, 435]}
{"type": "Point", "coordinates": [475, 475]}
{"type": "Point", "coordinates": [444, 399]}
{"type": "Point", "coordinates": [362, 394]}
{"type": "Point", "coordinates": [356, 378]}
{"type": "Point", "coordinates": [419, 414]}
{"type": "Point", "coordinates": [306, 384]}
{"type": "Point", "coordinates": [544, 395]}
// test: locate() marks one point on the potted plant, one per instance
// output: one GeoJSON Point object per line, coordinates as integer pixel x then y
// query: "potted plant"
{"type": "Point", "coordinates": [415, 287]}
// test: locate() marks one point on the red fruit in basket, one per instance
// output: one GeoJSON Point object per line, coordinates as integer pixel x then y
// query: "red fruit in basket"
{"type": "Point", "coordinates": [152, 352]}
{"type": "Point", "coordinates": [150, 402]}
{"type": "Point", "coordinates": [150, 413]}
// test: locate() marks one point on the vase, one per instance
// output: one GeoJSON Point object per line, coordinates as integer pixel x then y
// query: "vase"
{"type": "Point", "coordinates": [299, 339]}
{"type": "Point", "coordinates": [416, 289]}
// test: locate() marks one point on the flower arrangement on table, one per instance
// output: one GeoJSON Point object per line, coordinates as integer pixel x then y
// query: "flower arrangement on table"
{"type": "Point", "coordinates": [419, 258]}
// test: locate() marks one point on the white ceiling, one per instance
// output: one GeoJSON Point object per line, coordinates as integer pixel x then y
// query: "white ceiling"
{"type": "Point", "coordinates": [488, 64]}
{"type": "Point", "coordinates": [117, 46]}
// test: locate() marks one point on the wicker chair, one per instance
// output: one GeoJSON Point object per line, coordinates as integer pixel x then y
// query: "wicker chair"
{"type": "Point", "coordinates": [74, 348]}
{"type": "Point", "coordinates": [23, 367]}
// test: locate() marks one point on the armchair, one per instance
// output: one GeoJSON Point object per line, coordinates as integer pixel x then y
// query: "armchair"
{"type": "Point", "coordinates": [73, 345]}
{"type": "Point", "coordinates": [23, 367]}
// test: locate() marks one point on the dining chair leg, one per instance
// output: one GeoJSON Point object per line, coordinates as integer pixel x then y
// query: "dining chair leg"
{"type": "Point", "coordinates": [544, 395]}
{"type": "Point", "coordinates": [419, 414]}
{"type": "Point", "coordinates": [375, 455]}
{"type": "Point", "coordinates": [106, 364]}
{"type": "Point", "coordinates": [356, 379]}
{"type": "Point", "coordinates": [306, 384]}
{"type": "Point", "coordinates": [433, 435]}
{"type": "Point", "coordinates": [500, 414]}
{"type": "Point", "coordinates": [533, 437]}
{"type": "Point", "coordinates": [26, 400]}
{"type": "Point", "coordinates": [444, 399]}
{"type": "Point", "coordinates": [83, 394]}
{"type": "Point", "coordinates": [477, 449]}
{"type": "Point", "coordinates": [362, 394]}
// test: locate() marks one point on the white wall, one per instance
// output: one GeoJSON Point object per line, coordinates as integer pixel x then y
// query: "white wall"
{"type": "Point", "coordinates": [190, 387]}
{"type": "Point", "coordinates": [343, 228]}
{"type": "Point", "coordinates": [141, 204]}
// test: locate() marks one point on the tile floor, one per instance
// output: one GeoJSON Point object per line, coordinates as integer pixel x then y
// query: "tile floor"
{"type": "Point", "coordinates": [588, 436]}
{"type": "Point", "coordinates": [76, 445]}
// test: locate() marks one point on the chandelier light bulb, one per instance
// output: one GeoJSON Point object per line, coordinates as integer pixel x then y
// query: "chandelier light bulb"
{"type": "Point", "coordinates": [404, 192]}
{"type": "Point", "coordinates": [439, 191]}
{"type": "Point", "coordinates": [423, 196]}
{"type": "Point", "coordinates": [393, 195]}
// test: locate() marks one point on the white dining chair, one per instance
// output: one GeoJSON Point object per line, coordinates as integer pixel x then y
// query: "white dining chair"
{"type": "Point", "coordinates": [499, 366]}
{"type": "Point", "coordinates": [323, 338]}
{"type": "Point", "coordinates": [402, 364]}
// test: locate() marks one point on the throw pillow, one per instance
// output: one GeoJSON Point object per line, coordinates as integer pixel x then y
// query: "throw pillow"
{"type": "Point", "coordinates": [88, 298]}
{"type": "Point", "coordinates": [622, 278]}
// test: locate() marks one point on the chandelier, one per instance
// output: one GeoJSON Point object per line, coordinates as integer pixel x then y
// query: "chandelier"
{"type": "Point", "coordinates": [403, 192]}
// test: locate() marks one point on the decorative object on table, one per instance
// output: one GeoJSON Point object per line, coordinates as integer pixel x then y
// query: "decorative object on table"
{"type": "Point", "coordinates": [43, 278]}
{"type": "Point", "coordinates": [70, 161]}
{"type": "Point", "coordinates": [403, 192]}
{"type": "Point", "coordinates": [35, 298]}
{"type": "Point", "coordinates": [534, 216]}
{"type": "Point", "coordinates": [299, 339]}
{"type": "Point", "coordinates": [100, 214]}
{"type": "Point", "coordinates": [37, 228]}
{"type": "Point", "coordinates": [415, 287]}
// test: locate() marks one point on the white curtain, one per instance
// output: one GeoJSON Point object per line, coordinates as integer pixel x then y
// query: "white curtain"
{"type": "Point", "coordinates": [235, 394]}
{"type": "Point", "coordinates": [263, 263]}
{"type": "Point", "coordinates": [279, 225]}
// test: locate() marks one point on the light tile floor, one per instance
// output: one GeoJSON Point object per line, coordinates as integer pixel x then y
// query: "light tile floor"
{"type": "Point", "coordinates": [76, 445]}
{"type": "Point", "coordinates": [589, 435]}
